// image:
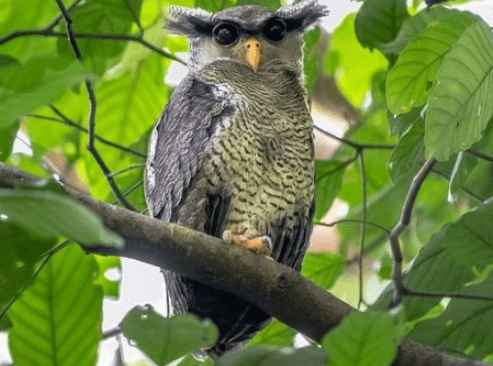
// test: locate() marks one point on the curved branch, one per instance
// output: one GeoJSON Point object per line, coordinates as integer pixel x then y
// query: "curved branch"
{"type": "Point", "coordinates": [275, 288]}
{"type": "Point", "coordinates": [407, 209]}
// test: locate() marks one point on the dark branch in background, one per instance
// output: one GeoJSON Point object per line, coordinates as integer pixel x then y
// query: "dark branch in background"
{"type": "Point", "coordinates": [480, 154]}
{"type": "Point", "coordinates": [105, 37]}
{"type": "Point", "coordinates": [92, 113]}
{"type": "Point", "coordinates": [454, 295]}
{"type": "Point", "coordinates": [58, 19]}
{"type": "Point", "coordinates": [128, 168]}
{"type": "Point", "coordinates": [362, 227]}
{"type": "Point", "coordinates": [407, 208]}
{"type": "Point", "coordinates": [112, 333]}
{"type": "Point", "coordinates": [71, 123]}
{"type": "Point", "coordinates": [353, 221]}
{"type": "Point", "coordinates": [467, 190]}
{"type": "Point", "coordinates": [355, 145]}
{"type": "Point", "coordinates": [275, 288]}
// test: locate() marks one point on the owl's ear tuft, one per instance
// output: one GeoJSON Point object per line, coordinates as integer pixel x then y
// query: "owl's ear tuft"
{"type": "Point", "coordinates": [191, 23]}
{"type": "Point", "coordinates": [303, 15]}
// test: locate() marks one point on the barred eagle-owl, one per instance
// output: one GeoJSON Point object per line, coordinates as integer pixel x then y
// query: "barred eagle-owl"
{"type": "Point", "coordinates": [232, 154]}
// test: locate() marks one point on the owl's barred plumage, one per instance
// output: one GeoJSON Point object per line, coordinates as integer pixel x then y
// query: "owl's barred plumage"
{"type": "Point", "coordinates": [234, 148]}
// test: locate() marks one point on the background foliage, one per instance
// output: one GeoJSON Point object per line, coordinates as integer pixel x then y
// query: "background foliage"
{"type": "Point", "coordinates": [422, 80]}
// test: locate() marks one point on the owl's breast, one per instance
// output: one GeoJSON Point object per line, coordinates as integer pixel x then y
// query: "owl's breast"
{"type": "Point", "coordinates": [263, 156]}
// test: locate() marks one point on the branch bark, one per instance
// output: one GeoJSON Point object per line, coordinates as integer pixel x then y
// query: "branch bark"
{"type": "Point", "coordinates": [277, 289]}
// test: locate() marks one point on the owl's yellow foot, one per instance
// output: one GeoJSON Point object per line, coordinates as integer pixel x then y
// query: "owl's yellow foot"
{"type": "Point", "coordinates": [238, 236]}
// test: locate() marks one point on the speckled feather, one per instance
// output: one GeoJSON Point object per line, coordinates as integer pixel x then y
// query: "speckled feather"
{"type": "Point", "coordinates": [235, 147]}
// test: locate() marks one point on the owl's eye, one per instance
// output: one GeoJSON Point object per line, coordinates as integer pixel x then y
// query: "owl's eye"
{"type": "Point", "coordinates": [275, 30]}
{"type": "Point", "coordinates": [225, 33]}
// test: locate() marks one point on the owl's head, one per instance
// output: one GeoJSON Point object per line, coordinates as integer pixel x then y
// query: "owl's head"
{"type": "Point", "coordinates": [250, 35]}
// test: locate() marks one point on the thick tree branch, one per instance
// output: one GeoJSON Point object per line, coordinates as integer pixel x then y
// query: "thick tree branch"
{"type": "Point", "coordinates": [275, 288]}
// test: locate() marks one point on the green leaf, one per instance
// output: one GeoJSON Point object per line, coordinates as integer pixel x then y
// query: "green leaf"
{"type": "Point", "coordinates": [131, 103]}
{"type": "Point", "coordinates": [256, 356]}
{"type": "Point", "coordinates": [275, 334]}
{"type": "Point", "coordinates": [414, 25]}
{"type": "Point", "coordinates": [311, 57]}
{"type": "Point", "coordinates": [6, 60]}
{"type": "Point", "coordinates": [459, 105]}
{"type": "Point", "coordinates": [464, 164]}
{"type": "Point", "coordinates": [39, 81]}
{"type": "Point", "coordinates": [50, 215]}
{"type": "Point", "coordinates": [363, 339]}
{"type": "Point", "coordinates": [109, 275]}
{"type": "Point", "coordinates": [14, 17]}
{"type": "Point", "coordinates": [378, 21]}
{"type": "Point", "coordinates": [416, 68]}
{"type": "Point", "coordinates": [409, 152]}
{"type": "Point", "coordinates": [48, 135]}
{"type": "Point", "coordinates": [470, 238]}
{"type": "Point", "coordinates": [57, 321]}
{"type": "Point", "coordinates": [214, 5]}
{"type": "Point", "coordinates": [323, 269]}
{"type": "Point", "coordinates": [7, 137]}
{"type": "Point", "coordinates": [101, 17]}
{"type": "Point", "coordinates": [269, 4]}
{"type": "Point", "coordinates": [464, 326]}
{"type": "Point", "coordinates": [190, 360]}
{"type": "Point", "coordinates": [166, 339]}
{"type": "Point", "coordinates": [381, 210]}
{"type": "Point", "coordinates": [328, 181]}
{"type": "Point", "coordinates": [20, 251]}
{"type": "Point", "coordinates": [400, 123]}
{"type": "Point", "coordinates": [352, 79]}
{"type": "Point", "coordinates": [434, 269]}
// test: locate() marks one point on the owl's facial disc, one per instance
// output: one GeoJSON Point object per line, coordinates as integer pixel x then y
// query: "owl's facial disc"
{"type": "Point", "coordinates": [250, 51]}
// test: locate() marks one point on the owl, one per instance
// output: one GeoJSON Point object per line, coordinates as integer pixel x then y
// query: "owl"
{"type": "Point", "coordinates": [232, 155]}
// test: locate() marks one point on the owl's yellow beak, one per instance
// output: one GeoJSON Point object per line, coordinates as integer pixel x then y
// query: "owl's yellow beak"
{"type": "Point", "coordinates": [250, 51]}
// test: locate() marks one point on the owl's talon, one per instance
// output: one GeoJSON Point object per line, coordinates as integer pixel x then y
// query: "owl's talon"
{"type": "Point", "coordinates": [258, 245]}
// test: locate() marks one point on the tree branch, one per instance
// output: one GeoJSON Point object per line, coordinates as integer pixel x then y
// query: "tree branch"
{"type": "Point", "coordinates": [275, 288]}
{"type": "Point", "coordinates": [92, 112]}
{"type": "Point", "coordinates": [404, 221]}
{"type": "Point", "coordinates": [47, 32]}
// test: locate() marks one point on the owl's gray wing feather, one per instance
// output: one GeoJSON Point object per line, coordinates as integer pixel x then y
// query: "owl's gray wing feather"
{"type": "Point", "coordinates": [179, 140]}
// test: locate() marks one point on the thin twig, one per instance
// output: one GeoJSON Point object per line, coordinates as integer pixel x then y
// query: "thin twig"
{"type": "Point", "coordinates": [407, 208]}
{"type": "Point", "coordinates": [58, 19]}
{"type": "Point", "coordinates": [129, 168]}
{"type": "Point", "coordinates": [353, 221]}
{"type": "Point", "coordinates": [92, 149]}
{"type": "Point", "coordinates": [71, 123]}
{"type": "Point", "coordinates": [354, 145]}
{"type": "Point", "coordinates": [92, 113]}
{"type": "Point", "coordinates": [36, 272]}
{"type": "Point", "coordinates": [70, 32]}
{"type": "Point", "coordinates": [363, 226]}
{"type": "Point", "coordinates": [480, 154]}
{"type": "Point", "coordinates": [105, 37]}
{"type": "Point", "coordinates": [465, 189]}
{"type": "Point", "coordinates": [454, 295]}
{"type": "Point", "coordinates": [111, 333]}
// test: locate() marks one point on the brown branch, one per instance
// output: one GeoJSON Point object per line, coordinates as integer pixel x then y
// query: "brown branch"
{"type": "Point", "coordinates": [275, 288]}
{"type": "Point", "coordinates": [399, 288]}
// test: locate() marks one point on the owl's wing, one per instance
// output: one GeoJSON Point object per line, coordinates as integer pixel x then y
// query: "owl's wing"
{"type": "Point", "coordinates": [179, 140]}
